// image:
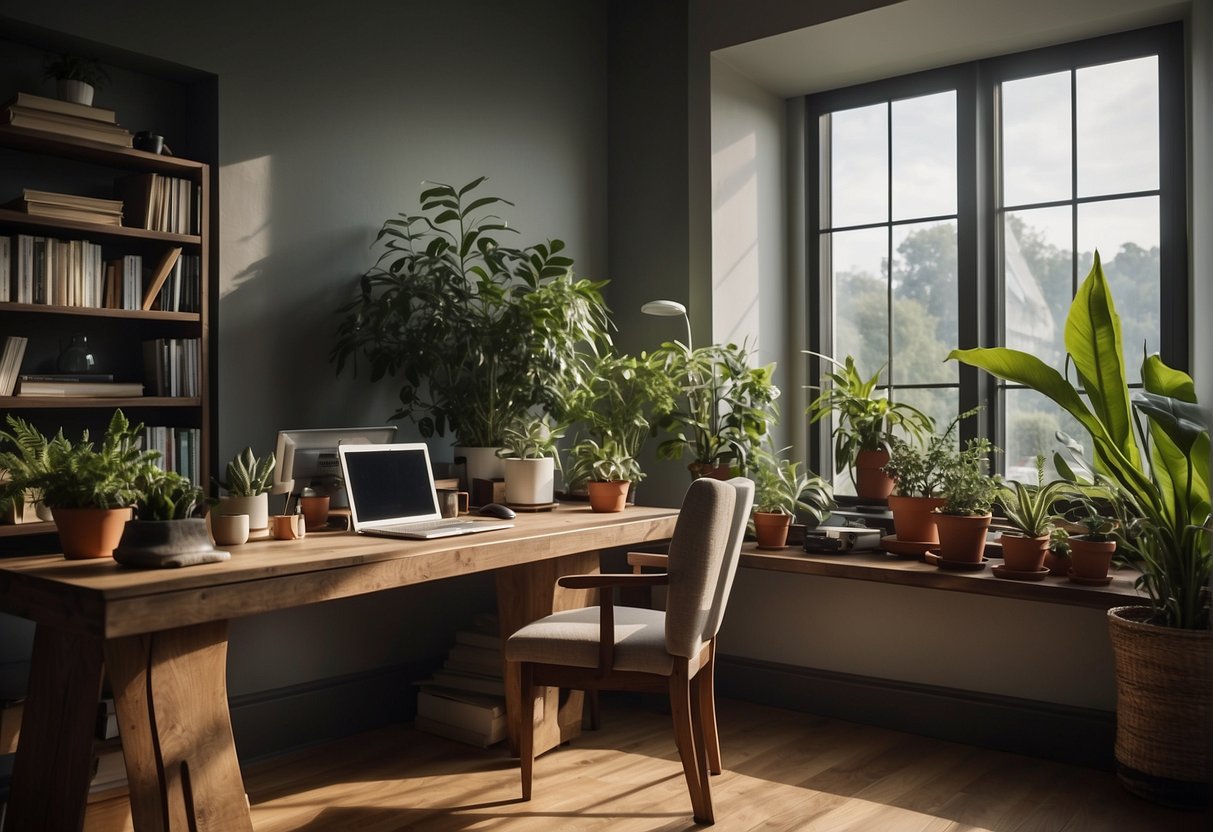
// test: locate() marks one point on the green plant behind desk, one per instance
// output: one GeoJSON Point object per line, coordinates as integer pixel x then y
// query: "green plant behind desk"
{"type": "Point", "coordinates": [479, 334]}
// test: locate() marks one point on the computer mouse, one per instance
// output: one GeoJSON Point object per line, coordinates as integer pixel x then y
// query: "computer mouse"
{"type": "Point", "coordinates": [496, 510]}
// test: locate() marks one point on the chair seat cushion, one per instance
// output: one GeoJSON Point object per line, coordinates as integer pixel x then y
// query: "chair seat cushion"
{"type": "Point", "coordinates": [571, 638]}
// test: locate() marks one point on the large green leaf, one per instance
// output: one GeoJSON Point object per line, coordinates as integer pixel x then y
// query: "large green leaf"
{"type": "Point", "coordinates": [1092, 336]}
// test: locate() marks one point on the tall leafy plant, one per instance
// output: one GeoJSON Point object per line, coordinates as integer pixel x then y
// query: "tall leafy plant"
{"type": "Point", "coordinates": [1154, 446]}
{"type": "Point", "coordinates": [478, 333]}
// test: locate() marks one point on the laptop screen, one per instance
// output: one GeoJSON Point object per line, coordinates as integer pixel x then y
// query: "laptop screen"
{"type": "Point", "coordinates": [389, 483]}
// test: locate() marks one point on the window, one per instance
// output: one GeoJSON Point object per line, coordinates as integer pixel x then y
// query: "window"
{"type": "Point", "coordinates": [963, 206]}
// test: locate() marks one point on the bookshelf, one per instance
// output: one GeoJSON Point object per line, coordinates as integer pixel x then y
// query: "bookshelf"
{"type": "Point", "coordinates": [181, 104]}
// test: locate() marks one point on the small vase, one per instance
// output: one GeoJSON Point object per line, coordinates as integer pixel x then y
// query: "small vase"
{"type": "Point", "coordinates": [771, 529]}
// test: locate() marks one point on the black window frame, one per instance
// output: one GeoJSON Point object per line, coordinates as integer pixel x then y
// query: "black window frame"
{"type": "Point", "coordinates": [979, 270]}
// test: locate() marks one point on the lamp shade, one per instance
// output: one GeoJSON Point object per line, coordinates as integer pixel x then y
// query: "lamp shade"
{"type": "Point", "coordinates": [664, 308]}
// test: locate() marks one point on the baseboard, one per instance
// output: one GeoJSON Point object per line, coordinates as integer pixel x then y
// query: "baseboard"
{"type": "Point", "coordinates": [268, 723]}
{"type": "Point", "coordinates": [1079, 736]}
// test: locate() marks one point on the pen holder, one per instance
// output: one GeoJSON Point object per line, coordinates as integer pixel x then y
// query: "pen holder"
{"type": "Point", "coordinates": [288, 526]}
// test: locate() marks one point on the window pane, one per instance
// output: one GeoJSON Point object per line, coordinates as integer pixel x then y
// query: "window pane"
{"type": "Point", "coordinates": [1126, 232]}
{"type": "Point", "coordinates": [924, 156]}
{"type": "Point", "coordinates": [861, 310]}
{"type": "Point", "coordinates": [1118, 127]}
{"type": "Point", "coordinates": [1032, 422]}
{"type": "Point", "coordinates": [940, 403]}
{"type": "Point", "coordinates": [924, 303]}
{"type": "Point", "coordinates": [1036, 139]}
{"type": "Point", "coordinates": [859, 166]}
{"type": "Point", "coordinates": [1037, 282]}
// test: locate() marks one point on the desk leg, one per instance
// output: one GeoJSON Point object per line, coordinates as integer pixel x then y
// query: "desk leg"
{"type": "Point", "coordinates": [171, 698]}
{"type": "Point", "coordinates": [55, 754]}
{"type": "Point", "coordinates": [526, 593]}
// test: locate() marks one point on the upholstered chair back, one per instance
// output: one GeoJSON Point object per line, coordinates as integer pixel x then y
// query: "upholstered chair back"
{"type": "Point", "coordinates": [697, 552]}
{"type": "Point", "coordinates": [732, 554]}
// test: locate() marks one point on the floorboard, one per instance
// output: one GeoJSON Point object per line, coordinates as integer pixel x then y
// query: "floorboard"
{"type": "Point", "coordinates": [784, 771]}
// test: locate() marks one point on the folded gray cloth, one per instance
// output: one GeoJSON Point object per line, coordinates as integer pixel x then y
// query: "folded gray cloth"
{"type": "Point", "coordinates": [155, 560]}
{"type": "Point", "coordinates": [165, 543]}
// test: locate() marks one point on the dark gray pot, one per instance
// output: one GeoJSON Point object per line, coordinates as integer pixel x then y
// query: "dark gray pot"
{"type": "Point", "coordinates": [159, 543]}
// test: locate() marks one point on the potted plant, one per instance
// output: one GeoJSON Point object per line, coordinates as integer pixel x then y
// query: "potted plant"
{"type": "Point", "coordinates": [864, 425]}
{"type": "Point", "coordinates": [1154, 447]}
{"type": "Point", "coordinates": [247, 485]}
{"type": "Point", "coordinates": [968, 493]}
{"type": "Point", "coordinates": [724, 409]}
{"type": "Point", "coordinates": [781, 490]}
{"type": "Point", "coordinates": [620, 399]}
{"type": "Point", "coordinates": [530, 462]}
{"type": "Point", "coordinates": [1091, 551]}
{"type": "Point", "coordinates": [89, 489]}
{"type": "Point", "coordinates": [607, 471]}
{"type": "Point", "coordinates": [917, 466]}
{"type": "Point", "coordinates": [77, 78]}
{"type": "Point", "coordinates": [30, 456]}
{"type": "Point", "coordinates": [1057, 558]}
{"type": "Point", "coordinates": [478, 334]}
{"type": "Point", "coordinates": [164, 531]}
{"type": "Point", "coordinates": [1029, 511]}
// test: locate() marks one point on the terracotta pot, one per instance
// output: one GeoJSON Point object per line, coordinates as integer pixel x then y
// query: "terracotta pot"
{"type": "Point", "coordinates": [90, 532]}
{"type": "Point", "coordinates": [608, 496]}
{"type": "Point", "coordinates": [871, 482]}
{"type": "Point", "coordinates": [962, 538]}
{"type": "Point", "coordinates": [1164, 708]}
{"type": "Point", "coordinates": [913, 518]}
{"type": "Point", "coordinates": [1024, 554]}
{"type": "Point", "coordinates": [714, 470]}
{"type": "Point", "coordinates": [771, 529]}
{"type": "Point", "coordinates": [1091, 558]}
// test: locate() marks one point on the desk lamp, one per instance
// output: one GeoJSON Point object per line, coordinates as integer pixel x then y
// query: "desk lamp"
{"type": "Point", "coordinates": [669, 309]}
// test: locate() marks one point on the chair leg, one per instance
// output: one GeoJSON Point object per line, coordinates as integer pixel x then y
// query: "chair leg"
{"type": "Point", "coordinates": [706, 814]}
{"type": "Point", "coordinates": [684, 736]}
{"type": "Point", "coordinates": [706, 680]}
{"type": "Point", "coordinates": [526, 733]}
{"type": "Point", "coordinates": [593, 713]}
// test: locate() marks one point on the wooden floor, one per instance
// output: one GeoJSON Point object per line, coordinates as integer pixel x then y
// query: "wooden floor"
{"type": "Point", "coordinates": [783, 771]}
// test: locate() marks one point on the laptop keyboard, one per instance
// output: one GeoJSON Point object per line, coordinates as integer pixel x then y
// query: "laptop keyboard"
{"type": "Point", "coordinates": [426, 526]}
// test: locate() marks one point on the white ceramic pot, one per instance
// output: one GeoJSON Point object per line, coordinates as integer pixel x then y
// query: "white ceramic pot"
{"type": "Point", "coordinates": [530, 482]}
{"type": "Point", "coordinates": [257, 508]}
{"type": "Point", "coordinates": [228, 529]}
{"type": "Point", "coordinates": [482, 463]}
{"type": "Point", "coordinates": [77, 92]}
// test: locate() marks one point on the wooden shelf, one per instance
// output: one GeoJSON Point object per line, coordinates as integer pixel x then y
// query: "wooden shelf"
{"type": "Point", "coordinates": [92, 229]}
{"type": "Point", "coordinates": [98, 312]}
{"type": "Point", "coordinates": [23, 529]}
{"type": "Point", "coordinates": [81, 402]}
{"type": "Point", "coordinates": [53, 144]}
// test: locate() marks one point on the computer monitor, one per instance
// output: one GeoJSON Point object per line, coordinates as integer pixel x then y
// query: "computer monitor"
{"type": "Point", "coordinates": [308, 458]}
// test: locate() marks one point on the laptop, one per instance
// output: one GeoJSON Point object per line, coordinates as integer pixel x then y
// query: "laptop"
{"type": "Point", "coordinates": [391, 494]}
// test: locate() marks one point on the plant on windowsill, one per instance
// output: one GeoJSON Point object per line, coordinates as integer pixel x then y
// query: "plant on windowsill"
{"type": "Point", "coordinates": [529, 451]}
{"type": "Point", "coordinates": [1029, 509]}
{"type": "Point", "coordinates": [1159, 466]}
{"type": "Point", "coordinates": [782, 492]}
{"type": "Point", "coordinates": [724, 411]}
{"type": "Point", "coordinates": [247, 485]}
{"type": "Point", "coordinates": [1091, 551]}
{"type": "Point", "coordinates": [478, 334]}
{"type": "Point", "coordinates": [607, 471]}
{"type": "Point", "coordinates": [865, 424]}
{"type": "Point", "coordinates": [968, 493]}
{"type": "Point", "coordinates": [88, 488]}
{"type": "Point", "coordinates": [917, 466]}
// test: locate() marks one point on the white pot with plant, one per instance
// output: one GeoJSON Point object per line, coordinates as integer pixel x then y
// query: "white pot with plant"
{"type": "Point", "coordinates": [247, 485]}
{"type": "Point", "coordinates": [529, 454]}
{"type": "Point", "coordinates": [76, 78]}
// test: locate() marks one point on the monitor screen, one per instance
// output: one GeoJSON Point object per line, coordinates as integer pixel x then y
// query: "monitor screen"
{"type": "Point", "coordinates": [308, 458]}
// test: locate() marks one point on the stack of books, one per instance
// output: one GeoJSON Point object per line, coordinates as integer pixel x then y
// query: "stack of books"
{"type": "Point", "coordinates": [69, 207]}
{"type": "Point", "coordinates": [160, 203]}
{"type": "Point", "coordinates": [465, 700]}
{"type": "Point", "coordinates": [10, 363]}
{"type": "Point", "coordinates": [65, 118]}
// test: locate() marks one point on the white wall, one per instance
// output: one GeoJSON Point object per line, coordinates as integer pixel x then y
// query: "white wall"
{"type": "Point", "coordinates": [331, 115]}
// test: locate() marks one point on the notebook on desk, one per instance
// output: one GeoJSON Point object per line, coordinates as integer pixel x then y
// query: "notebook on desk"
{"type": "Point", "coordinates": [391, 494]}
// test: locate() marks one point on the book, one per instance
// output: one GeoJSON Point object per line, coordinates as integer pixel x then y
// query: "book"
{"type": "Point", "coordinates": [477, 638]}
{"type": "Point", "coordinates": [161, 273]}
{"type": "Point", "coordinates": [92, 203]}
{"type": "Point", "coordinates": [483, 715]}
{"type": "Point", "coordinates": [6, 281]}
{"type": "Point", "coordinates": [60, 377]}
{"type": "Point", "coordinates": [83, 129]}
{"type": "Point", "coordinates": [62, 212]}
{"type": "Point", "coordinates": [82, 389]}
{"type": "Point", "coordinates": [10, 363]}
{"type": "Point", "coordinates": [470, 659]}
{"type": "Point", "coordinates": [471, 682]}
{"type": "Point", "coordinates": [463, 735]}
{"type": "Point", "coordinates": [67, 108]}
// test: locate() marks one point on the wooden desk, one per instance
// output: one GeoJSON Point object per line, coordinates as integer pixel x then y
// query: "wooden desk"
{"type": "Point", "coordinates": [161, 637]}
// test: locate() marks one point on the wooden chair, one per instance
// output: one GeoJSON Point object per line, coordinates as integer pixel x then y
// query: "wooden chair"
{"type": "Point", "coordinates": [627, 648]}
